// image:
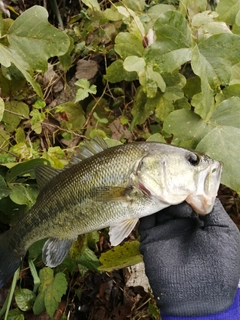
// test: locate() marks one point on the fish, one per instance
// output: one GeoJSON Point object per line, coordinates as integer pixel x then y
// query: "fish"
{"type": "Point", "coordinates": [107, 187]}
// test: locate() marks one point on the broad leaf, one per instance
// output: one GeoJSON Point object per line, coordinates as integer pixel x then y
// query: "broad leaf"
{"type": "Point", "coordinates": [134, 63]}
{"type": "Point", "coordinates": [126, 44]}
{"type": "Point", "coordinates": [24, 299]}
{"type": "Point", "coordinates": [14, 112]}
{"type": "Point", "coordinates": [172, 31]}
{"type": "Point", "coordinates": [121, 256]}
{"type": "Point", "coordinates": [54, 292]}
{"type": "Point", "coordinates": [173, 42]}
{"type": "Point", "coordinates": [35, 39]}
{"type": "Point", "coordinates": [227, 10]}
{"type": "Point", "coordinates": [4, 190]}
{"type": "Point", "coordinates": [88, 259]}
{"type": "Point", "coordinates": [2, 107]}
{"type": "Point", "coordinates": [215, 144]}
{"type": "Point", "coordinates": [9, 56]}
{"type": "Point", "coordinates": [135, 5]}
{"type": "Point", "coordinates": [213, 137]}
{"type": "Point", "coordinates": [15, 314]}
{"type": "Point", "coordinates": [72, 114]}
{"type": "Point", "coordinates": [46, 277]}
{"type": "Point", "coordinates": [23, 195]}
{"type": "Point", "coordinates": [116, 73]}
{"type": "Point", "coordinates": [92, 4]}
{"type": "Point", "coordinates": [139, 111]}
{"type": "Point", "coordinates": [24, 171]}
{"type": "Point", "coordinates": [212, 61]}
{"type": "Point", "coordinates": [205, 24]}
{"type": "Point", "coordinates": [84, 89]}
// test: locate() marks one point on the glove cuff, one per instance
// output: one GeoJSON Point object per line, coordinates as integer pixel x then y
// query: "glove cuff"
{"type": "Point", "coordinates": [233, 313]}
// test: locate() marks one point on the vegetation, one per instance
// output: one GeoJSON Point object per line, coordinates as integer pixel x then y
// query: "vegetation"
{"type": "Point", "coordinates": [125, 71]}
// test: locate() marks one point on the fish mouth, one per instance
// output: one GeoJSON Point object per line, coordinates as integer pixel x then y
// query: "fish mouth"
{"type": "Point", "coordinates": [203, 199]}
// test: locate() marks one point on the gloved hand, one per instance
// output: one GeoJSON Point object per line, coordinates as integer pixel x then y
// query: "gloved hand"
{"type": "Point", "coordinates": [192, 262]}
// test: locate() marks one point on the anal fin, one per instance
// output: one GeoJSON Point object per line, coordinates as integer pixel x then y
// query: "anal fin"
{"type": "Point", "coordinates": [55, 250]}
{"type": "Point", "coordinates": [121, 230]}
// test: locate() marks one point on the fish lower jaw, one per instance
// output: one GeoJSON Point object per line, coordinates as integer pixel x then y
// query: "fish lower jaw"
{"type": "Point", "coordinates": [201, 204]}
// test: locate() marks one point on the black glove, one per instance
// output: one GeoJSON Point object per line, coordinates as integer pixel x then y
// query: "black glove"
{"type": "Point", "coordinates": [192, 262]}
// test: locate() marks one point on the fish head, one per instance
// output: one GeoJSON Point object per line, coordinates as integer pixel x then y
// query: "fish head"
{"type": "Point", "coordinates": [173, 175]}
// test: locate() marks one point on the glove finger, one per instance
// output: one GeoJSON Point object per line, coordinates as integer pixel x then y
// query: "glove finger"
{"type": "Point", "coordinates": [147, 223]}
{"type": "Point", "coordinates": [169, 230]}
{"type": "Point", "coordinates": [218, 216]}
{"type": "Point", "coordinates": [182, 210]}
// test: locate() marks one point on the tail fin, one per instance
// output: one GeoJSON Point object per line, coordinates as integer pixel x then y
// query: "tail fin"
{"type": "Point", "coordinates": [10, 258]}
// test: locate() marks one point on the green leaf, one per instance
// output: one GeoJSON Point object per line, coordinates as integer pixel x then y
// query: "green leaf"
{"type": "Point", "coordinates": [134, 63]}
{"type": "Point", "coordinates": [127, 44]}
{"type": "Point", "coordinates": [84, 89]}
{"type": "Point", "coordinates": [8, 56]}
{"type": "Point", "coordinates": [213, 144]}
{"type": "Point", "coordinates": [36, 120]}
{"type": "Point", "coordinates": [2, 107]}
{"type": "Point", "coordinates": [116, 73]}
{"type": "Point", "coordinates": [101, 120]}
{"type": "Point", "coordinates": [24, 299]}
{"type": "Point", "coordinates": [172, 31]}
{"type": "Point", "coordinates": [213, 137]}
{"type": "Point", "coordinates": [88, 259]}
{"type": "Point", "coordinates": [135, 5]}
{"type": "Point", "coordinates": [82, 254]}
{"type": "Point", "coordinates": [186, 126]}
{"type": "Point", "coordinates": [192, 7]}
{"type": "Point", "coordinates": [169, 61]}
{"type": "Point", "coordinates": [163, 106]}
{"type": "Point", "coordinates": [15, 314]}
{"type": "Point", "coordinates": [20, 135]}
{"type": "Point", "coordinates": [35, 39]}
{"type": "Point", "coordinates": [92, 4]}
{"type": "Point", "coordinates": [23, 151]}
{"type": "Point", "coordinates": [14, 112]}
{"type": "Point", "coordinates": [113, 14]}
{"type": "Point", "coordinates": [35, 250]}
{"type": "Point", "coordinates": [24, 171]}
{"type": "Point", "coordinates": [46, 277]}
{"type": "Point", "coordinates": [23, 195]}
{"type": "Point", "coordinates": [212, 61]}
{"type": "Point", "coordinates": [54, 292]}
{"type": "Point", "coordinates": [4, 190]}
{"type": "Point", "coordinates": [220, 52]}
{"type": "Point", "coordinates": [157, 137]}
{"type": "Point", "coordinates": [139, 112]}
{"type": "Point", "coordinates": [11, 213]}
{"type": "Point", "coordinates": [120, 257]}
{"type": "Point", "coordinates": [173, 41]}
{"type": "Point", "coordinates": [227, 10]}
{"type": "Point", "coordinates": [75, 116]}
{"type": "Point", "coordinates": [205, 24]}
{"type": "Point", "coordinates": [39, 104]}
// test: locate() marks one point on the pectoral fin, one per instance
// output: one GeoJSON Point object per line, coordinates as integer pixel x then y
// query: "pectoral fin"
{"type": "Point", "coordinates": [55, 250]}
{"type": "Point", "coordinates": [121, 230]}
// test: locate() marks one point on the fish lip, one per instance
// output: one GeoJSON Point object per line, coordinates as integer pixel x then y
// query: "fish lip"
{"type": "Point", "coordinates": [203, 199]}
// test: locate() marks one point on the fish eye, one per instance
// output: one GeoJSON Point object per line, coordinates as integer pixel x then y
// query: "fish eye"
{"type": "Point", "coordinates": [193, 159]}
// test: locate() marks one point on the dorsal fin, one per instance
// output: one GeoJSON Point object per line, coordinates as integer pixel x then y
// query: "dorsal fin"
{"type": "Point", "coordinates": [88, 149]}
{"type": "Point", "coordinates": [44, 174]}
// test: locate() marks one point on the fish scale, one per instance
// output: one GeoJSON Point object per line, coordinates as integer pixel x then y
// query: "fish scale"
{"type": "Point", "coordinates": [108, 187]}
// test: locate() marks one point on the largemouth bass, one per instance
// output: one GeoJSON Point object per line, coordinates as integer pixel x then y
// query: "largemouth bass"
{"type": "Point", "coordinates": [108, 187]}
